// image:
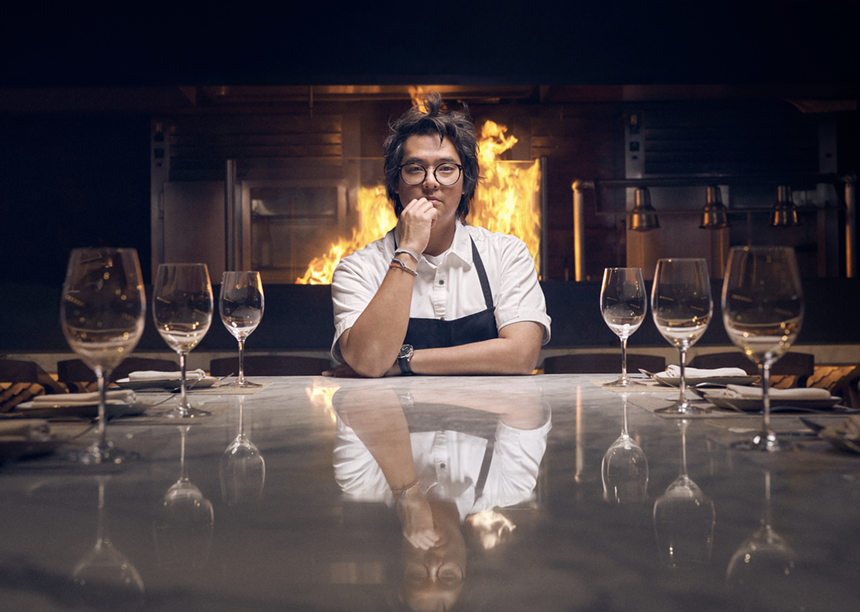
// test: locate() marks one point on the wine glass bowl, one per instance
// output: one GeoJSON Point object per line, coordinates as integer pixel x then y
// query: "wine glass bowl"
{"type": "Point", "coordinates": [182, 311]}
{"type": "Point", "coordinates": [185, 521]}
{"type": "Point", "coordinates": [241, 307]}
{"type": "Point", "coordinates": [761, 573]}
{"type": "Point", "coordinates": [623, 304]}
{"type": "Point", "coordinates": [681, 306]}
{"type": "Point", "coordinates": [624, 469]}
{"type": "Point", "coordinates": [242, 468]}
{"type": "Point", "coordinates": [762, 304]}
{"type": "Point", "coordinates": [684, 518]}
{"type": "Point", "coordinates": [102, 314]}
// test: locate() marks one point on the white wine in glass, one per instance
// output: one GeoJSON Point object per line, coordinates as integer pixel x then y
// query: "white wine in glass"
{"type": "Point", "coordinates": [241, 306]}
{"type": "Point", "coordinates": [102, 313]}
{"type": "Point", "coordinates": [623, 304]}
{"type": "Point", "coordinates": [681, 306]}
{"type": "Point", "coordinates": [763, 312]}
{"type": "Point", "coordinates": [182, 307]}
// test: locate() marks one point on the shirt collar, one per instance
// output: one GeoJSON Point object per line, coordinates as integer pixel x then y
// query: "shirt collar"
{"type": "Point", "coordinates": [460, 247]}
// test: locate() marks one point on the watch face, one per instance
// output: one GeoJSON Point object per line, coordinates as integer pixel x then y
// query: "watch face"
{"type": "Point", "coordinates": [405, 351]}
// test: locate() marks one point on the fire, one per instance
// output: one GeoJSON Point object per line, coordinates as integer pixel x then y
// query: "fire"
{"type": "Point", "coordinates": [505, 201]}
{"type": "Point", "coordinates": [506, 197]}
{"type": "Point", "coordinates": [375, 218]}
{"type": "Point", "coordinates": [491, 527]}
{"type": "Point", "coordinates": [321, 398]}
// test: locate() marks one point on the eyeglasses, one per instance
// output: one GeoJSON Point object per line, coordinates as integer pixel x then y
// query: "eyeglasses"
{"type": "Point", "coordinates": [446, 173]}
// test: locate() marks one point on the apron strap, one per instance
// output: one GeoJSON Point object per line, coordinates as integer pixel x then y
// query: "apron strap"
{"type": "Point", "coordinates": [479, 268]}
{"type": "Point", "coordinates": [482, 275]}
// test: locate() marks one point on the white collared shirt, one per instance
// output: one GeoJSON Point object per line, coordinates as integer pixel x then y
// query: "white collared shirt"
{"type": "Point", "coordinates": [451, 290]}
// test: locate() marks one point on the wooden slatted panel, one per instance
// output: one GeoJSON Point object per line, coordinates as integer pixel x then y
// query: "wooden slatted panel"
{"type": "Point", "coordinates": [200, 146]}
{"type": "Point", "coordinates": [730, 141]}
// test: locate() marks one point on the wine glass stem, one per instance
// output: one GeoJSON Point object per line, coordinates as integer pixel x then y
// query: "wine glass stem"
{"type": "Point", "coordinates": [624, 358]}
{"type": "Point", "coordinates": [765, 397]}
{"type": "Point", "coordinates": [241, 361]}
{"type": "Point", "coordinates": [102, 426]}
{"type": "Point", "coordinates": [682, 397]}
{"type": "Point", "coordinates": [183, 404]}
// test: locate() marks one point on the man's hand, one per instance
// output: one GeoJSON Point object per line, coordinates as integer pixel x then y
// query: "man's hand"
{"type": "Point", "coordinates": [414, 225]}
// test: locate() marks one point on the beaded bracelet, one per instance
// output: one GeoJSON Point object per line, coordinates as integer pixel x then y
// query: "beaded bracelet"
{"type": "Point", "coordinates": [396, 263]}
{"type": "Point", "coordinates": [413, 254]}
{"type": "Point", "coordinates": [400, 493]}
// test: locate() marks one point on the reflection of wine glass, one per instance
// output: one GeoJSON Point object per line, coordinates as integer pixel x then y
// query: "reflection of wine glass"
{"type": "Point", "coordinates": [684, 518]}
{"type": "Point", "coordinates": [243, 470]}
{"type": "Point", "coordinates": [624, 468]}
{"type": "Point", "coordinates": [760, 574]}
{"type": "Point", "coordinates": [183, 528]}
{"type": "Point", "coordinates": [241, 306]}
{"type": "Point", "coordinates": [102, 316]}
{"type": "Point", "coordinates": [763, 312]}
{"type": "Point", "coordinates": [105, 575]}
{"type": "Point", "coordinates": [681, 306]}
{"type": "Point", "coordinates": [182, 308]}
{"type": "Point", "coordinates": [623, 303]}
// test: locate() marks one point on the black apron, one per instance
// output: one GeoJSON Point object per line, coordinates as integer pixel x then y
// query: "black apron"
{"type": "Point", "coordinates": [439, 333]}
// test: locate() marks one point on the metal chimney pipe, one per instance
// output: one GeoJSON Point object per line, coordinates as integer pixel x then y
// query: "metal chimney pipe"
{"type": "Point", "coordinates": [579, 228]}
{"type": "Point", "coordinates": [850, 225]}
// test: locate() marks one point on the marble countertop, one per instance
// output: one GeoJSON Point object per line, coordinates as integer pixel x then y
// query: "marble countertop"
{"type": "Point", "coordinates": [190, 526]}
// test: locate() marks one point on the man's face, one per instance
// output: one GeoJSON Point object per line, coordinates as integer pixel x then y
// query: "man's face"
{"type": "Point", "coordinates": [428, 151]}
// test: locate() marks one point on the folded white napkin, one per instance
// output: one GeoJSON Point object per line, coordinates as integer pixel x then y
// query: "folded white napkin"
{"type": "Point", "coordinates": [148, 375]}
{"type": "Point", "coordinates": [782, 395]}
{"type": "Point", "coordinates": [25, 429]}
{"type": "Point", "coordinates": [674, 371]}
{"type": "Point", "coordinates": [83, 399]}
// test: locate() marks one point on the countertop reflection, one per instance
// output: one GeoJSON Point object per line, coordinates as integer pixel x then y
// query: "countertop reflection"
{"type": "Point", "coordinates": [533, 493]}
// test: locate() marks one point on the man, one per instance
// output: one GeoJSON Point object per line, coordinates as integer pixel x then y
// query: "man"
{"type": "Point", "coordinates": [435, 296]}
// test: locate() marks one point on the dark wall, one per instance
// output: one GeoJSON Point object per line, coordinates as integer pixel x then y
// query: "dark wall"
{"type": "Point", "coordinates": [71, 181]}
{"type": "Point", "coordinates": [300, 318]}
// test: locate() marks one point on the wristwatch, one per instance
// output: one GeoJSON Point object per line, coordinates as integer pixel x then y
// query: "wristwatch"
{"type": "Point", "coordinates": [404, 357]}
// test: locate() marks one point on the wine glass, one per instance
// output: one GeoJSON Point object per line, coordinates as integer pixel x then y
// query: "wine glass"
{"type": "Point", "coordinates": [242, 468]}
{"type": "Point", "coordinates": [102, 313]}
{"type": "Point", "coordinates": [185, 522]}
{"type": "Point", "coordinates": [684, 518]}
{"type": "Point", "coordinates": [182, 308]}
{"type": "Point", "coordinates": [623, 303]}
{"type": "Point", "coordinates": [761, 572]}
{"type": "Point", "coordinates": [681, 306]}
{"type": "Point", "coordinates": [241, 306]}
{"type": "Point", "coordinates": [104, 573]}
{"type": "Point", "coordinates": [763, 312]}
{"type": "Point", "coordinates": [624, 469]}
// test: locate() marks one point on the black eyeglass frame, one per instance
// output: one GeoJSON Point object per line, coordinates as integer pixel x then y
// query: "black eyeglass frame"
{"type": "Point", "coordinates": [435, 168]}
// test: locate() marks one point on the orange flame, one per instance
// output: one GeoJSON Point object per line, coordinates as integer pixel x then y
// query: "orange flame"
{"type": "Point", "coordinates": [491, 527]}
{"type": "Point", "coordinates": [321, 398]}
{"type": "Point", "coordinates": [375, 218]}
{"type": "Point", "coordinates": [506, 200]}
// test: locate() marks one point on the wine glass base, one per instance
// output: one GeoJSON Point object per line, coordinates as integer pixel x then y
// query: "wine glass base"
{"type": "Point", "coordinates": [683, 409]}
{"type": "Point", "coordinates": [102, 454]}
{"type": "Point", "coordinates": [622, 382]}
{"type": "Point", "coordinates": [766, 442]}
{"type": "Point", "coordinates": [241, 384]}
{"type": "Point", "coordinates": [187, 412]}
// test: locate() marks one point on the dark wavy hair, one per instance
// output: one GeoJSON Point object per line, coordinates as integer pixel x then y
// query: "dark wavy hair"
{"type": "Point", "coordinates": [456, 125]}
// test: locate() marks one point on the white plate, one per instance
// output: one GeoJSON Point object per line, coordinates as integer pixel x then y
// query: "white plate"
{"type": "Point", "coordinates": [714, 380]}
{"type": "Point", "coordinates": [166, 383]}
{"type": "Point", "coordinates": [756, 405]}
{"type": "Point", "coordinates": [112, 409]}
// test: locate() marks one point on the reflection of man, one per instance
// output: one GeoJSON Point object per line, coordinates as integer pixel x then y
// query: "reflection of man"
{"type": "Point", "coordinates": [436, 477]}
{"type": "Point", "coordinates": [435, 296]}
